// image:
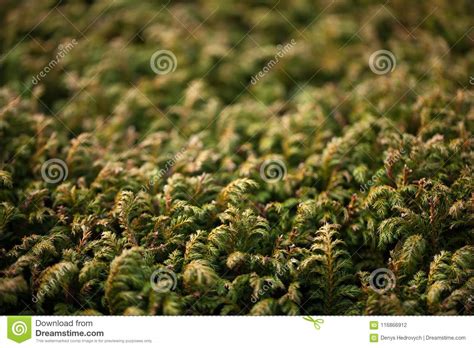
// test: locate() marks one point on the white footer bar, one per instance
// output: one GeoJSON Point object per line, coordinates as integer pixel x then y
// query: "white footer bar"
{"type": "Point", "coordinates": [205, 331]}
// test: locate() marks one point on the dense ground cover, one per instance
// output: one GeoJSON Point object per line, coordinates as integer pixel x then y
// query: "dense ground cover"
{"type": "Point", "coordinates": [276, 161]}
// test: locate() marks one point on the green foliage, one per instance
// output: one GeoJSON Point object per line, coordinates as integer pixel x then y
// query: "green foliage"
{"type": "Point", "coordinates": [165, 172]}
{"type": "Point", "coordinates": [328, 274]}
{"type": "Point", "coordinates": [128, 276]}
{"type": "Point", "coordinates": [450, 282]}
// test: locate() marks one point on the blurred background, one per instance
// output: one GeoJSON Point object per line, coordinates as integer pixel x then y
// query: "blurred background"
{"type": "Point", "coordinates": [219, 46]}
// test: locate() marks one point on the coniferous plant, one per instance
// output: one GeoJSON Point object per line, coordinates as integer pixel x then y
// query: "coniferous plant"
{"type": "Point", "coordinates": [317, 186]}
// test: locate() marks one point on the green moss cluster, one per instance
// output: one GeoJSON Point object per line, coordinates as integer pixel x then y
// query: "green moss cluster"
{"type": "Point", "coordinates": [270, 171]}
